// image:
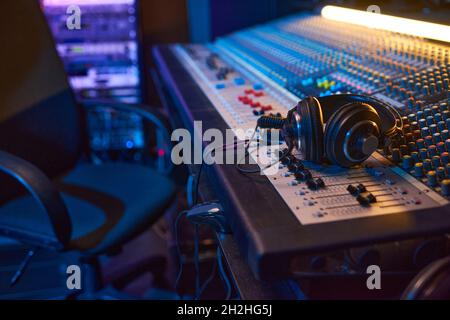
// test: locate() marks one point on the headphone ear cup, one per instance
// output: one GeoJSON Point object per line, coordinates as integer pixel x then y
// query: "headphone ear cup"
{"type": "Point", "coordinates": [339, 124]}
{"type": "Point", "coordinates": [429, 282]}
{"type": "Point", "coordinates": [312, 129]}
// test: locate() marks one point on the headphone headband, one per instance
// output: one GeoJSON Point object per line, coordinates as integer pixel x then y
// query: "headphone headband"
{"type": "Point", "coordinates": [390, 118]}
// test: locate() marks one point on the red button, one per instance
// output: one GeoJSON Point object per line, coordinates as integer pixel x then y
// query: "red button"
{"type": "Point", "coordinates": [248, 91]}
{"type": "Point", "coordinates": [259, 94]}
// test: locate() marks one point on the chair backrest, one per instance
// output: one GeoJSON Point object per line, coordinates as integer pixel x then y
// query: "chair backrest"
{"type": "Point", "coordinates": [39, 118]}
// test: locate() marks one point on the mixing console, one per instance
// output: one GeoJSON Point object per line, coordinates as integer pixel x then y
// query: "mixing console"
{"type": "Point", "coordinates": [241, 96]}
{"type": "Point", "coordinates": [268, 69]}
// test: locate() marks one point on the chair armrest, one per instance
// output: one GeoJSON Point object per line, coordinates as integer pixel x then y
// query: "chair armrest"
{"type": "Point", "coordinates": [154, 116]}
{"type": "Point", "coordinates": [45, 194]}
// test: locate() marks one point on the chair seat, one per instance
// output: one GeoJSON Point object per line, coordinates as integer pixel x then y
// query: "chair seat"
{"type": "Point", "coordinates": [108, 204]}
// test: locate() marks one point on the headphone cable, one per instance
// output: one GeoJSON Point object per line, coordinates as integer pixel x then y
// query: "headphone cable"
{"type": "Point", "coordinates": [211, 277]}
{"type": "Point", "coordinates": [223, 274]}
{"type": "Point", "coordinates": [246, 153]}
{"type": "Point", "coordinates": [198, 176]}
{"type": "Point", "coordinates": [179, 253]}
{"type": "Point", "coordinates": [197, 262]}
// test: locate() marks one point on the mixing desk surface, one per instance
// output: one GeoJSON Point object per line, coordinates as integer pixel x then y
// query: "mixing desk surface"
{"type": "Point", "coordinates": [268, 69]}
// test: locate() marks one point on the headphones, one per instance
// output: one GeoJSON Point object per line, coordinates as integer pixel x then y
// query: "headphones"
{"type": "Point", "coordinates": [345, 128]}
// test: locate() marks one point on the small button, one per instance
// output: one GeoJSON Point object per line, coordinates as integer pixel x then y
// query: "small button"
{"type": "Point", "coordinates": [378, 173]}
{"type": "Point", "coordinates": [239, 81]}
{"type": "Point", "coordinates": [390, 182]}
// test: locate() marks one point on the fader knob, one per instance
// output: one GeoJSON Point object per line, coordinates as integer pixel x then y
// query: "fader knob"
{"type": "Point", "coordinates": [432, 178]}
{"type": "Point", "coordinates": [407, 163]}
{"type": "Point", "coordinates": [447, 144]}
{"type": "Point", "coordinates": [445, 187]}
{"type": "Point", "coordinates": [427, 165]}
{"type": "Point", "coordinates": [445, 157]}
{"type": "Point", "coordinates": [441, 147]}
{"type": "Point", "coordinates": [436, 161]}
{"type": "Point", "coordinates": [423, 153]}
{"type": "Point", "coordinates": [418, 170]}
{"type": "Point", "coordinates": [440, 172]}
{"type": "Point", "coordinates": [445, 134]}
{"type": "Point", "coordinates": [415, 156]}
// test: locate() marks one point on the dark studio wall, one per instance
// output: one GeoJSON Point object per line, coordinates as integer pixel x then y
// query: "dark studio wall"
{"type": "Point", "coordinates": [162, 22]}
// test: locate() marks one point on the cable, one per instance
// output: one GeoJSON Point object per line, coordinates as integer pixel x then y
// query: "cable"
{"type": "Point", "coordinates": [246, 153]}
{"type": "Point", "coordinates": [238, 164]}
{"type": "Point", "coordinates": [199, 290]}
{"type": "Point", "coordinates": [197, 262]}
{"type": "Point", "coordinates": [197, 181]}
{"type": "Point", "coordinates": [190, 190]}
{"type": "Point", "coordinates": [223, 274]}
{"type": "Point", "coordinates": [245, 171]}
{"type": "Point", "coordinates": [180, 259]}
{"type": "Point", "coordinates": [23, 266]}
{"type": "Point", "coordinates": [211, 277]}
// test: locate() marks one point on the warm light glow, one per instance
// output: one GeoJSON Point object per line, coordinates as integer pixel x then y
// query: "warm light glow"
{"type": "Point", "coordinates": [390, 23]}
{"type": "Point", "coordinates": [85, 2]}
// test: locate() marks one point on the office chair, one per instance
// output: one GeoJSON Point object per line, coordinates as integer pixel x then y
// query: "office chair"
{"type": "Point", "coordinates": [49, 197]}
